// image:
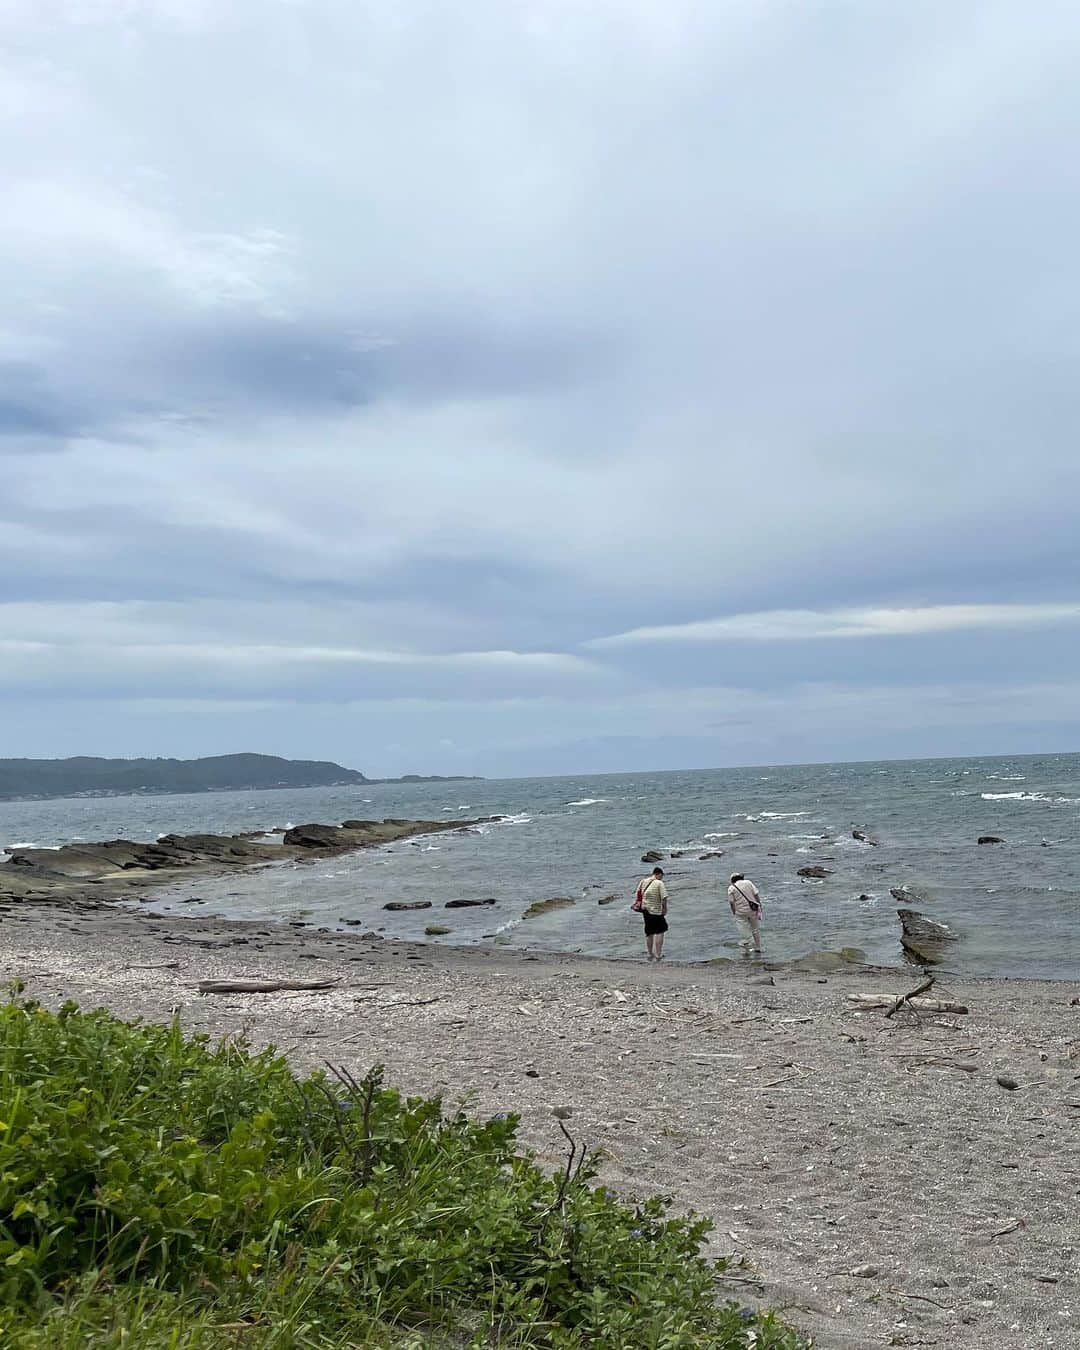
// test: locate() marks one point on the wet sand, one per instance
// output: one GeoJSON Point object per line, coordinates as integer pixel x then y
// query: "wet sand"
{"type": "Point", "coordinates": [821, 1140]}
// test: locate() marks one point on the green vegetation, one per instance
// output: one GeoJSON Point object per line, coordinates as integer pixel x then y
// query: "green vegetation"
{"type": "Point", "coordinates": [86, 776]}
{"type": "Point", "coordinates": [162, 1193]}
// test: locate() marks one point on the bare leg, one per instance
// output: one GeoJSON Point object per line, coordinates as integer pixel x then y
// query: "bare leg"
{"type": "Point", "coordinates": [658, 946]}
{"type": "Point", "coordinates": [649, 940]}
{"type": "Point", "coordinates": [755, 929]}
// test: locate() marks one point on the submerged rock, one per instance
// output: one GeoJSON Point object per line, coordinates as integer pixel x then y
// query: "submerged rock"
{"type": "Point", "coordinates": [397, 905]}
{"type": "Point", "coordinates": [607, 899]}
{"type": "Point", "coordinates": [990, 839]}
{"type": "Point", "coordinates": [543, 906]}
{"type": "Point", "coordinates": [818, 873]}
{"type": "Point", "coordinates": [652, 856]}
{"type": "Point", "coordinates": [468, 904]}
{"type": "Point", "coordinates": [712, 853]}
{"type": "Point", "coordinates": [864, 838]}
{"type": "Point", "coordinates": [907, 895]}
{"type": "Point", "coordinates": [822, 963]}
{"type": "Point", "coordinates": [435, 930]}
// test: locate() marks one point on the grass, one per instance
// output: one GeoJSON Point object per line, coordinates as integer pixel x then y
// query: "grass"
{"type": "Point", "coordinates": [161, 1192]}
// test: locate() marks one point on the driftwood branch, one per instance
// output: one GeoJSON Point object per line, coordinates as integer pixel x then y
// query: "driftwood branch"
{"type": "Point", "coordinates": [927, 984]}
{"type": "Point", "coordinates": [917, 1004]}
{"type": "Point", "coordinates": [260, 986]}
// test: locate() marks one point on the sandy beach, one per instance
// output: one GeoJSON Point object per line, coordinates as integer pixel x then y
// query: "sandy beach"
{"type": "Point", "coordinates": [870, 1176]}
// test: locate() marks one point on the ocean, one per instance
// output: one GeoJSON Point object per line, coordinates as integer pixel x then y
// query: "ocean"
{"type": "Point", "coordinates": [1015, 905]}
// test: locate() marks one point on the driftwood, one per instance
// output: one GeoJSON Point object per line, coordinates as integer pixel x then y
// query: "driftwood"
{"type": "Point", "coordinates": [923, 988]}
{"type": "Point", "coordinates": [260, 986]}
{"type": "Point", "coordinates": [919, 1004]}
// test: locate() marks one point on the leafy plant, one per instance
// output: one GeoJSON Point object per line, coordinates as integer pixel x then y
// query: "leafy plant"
{"type": "Point", "coordinates": [160, 1191]}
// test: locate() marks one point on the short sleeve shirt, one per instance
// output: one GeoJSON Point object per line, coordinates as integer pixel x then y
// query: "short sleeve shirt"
{"type": "Point", "coordinates": [741, 895]}
{"type": "Point", "coordinates": [654, 896]}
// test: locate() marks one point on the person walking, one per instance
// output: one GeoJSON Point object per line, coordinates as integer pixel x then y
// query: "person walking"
{"type": "Point", "coordinates": [745, 902]}
{"type": "Point", "coordinates": [653, 895]}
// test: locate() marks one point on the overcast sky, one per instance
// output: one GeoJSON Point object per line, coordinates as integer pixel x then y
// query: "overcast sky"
{"type": "Point", "coordinates": [536, 387]}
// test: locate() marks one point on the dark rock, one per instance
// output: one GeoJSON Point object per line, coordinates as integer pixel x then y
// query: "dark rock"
{"type": "Point", "coordinates": [652, 856]}
{"type": "Point", "coordinates": [678, 853]}
{"type": "Point", "coordinates": [923, 938]}
{"type": "Point", "coordinates": [407, 904]}
{"type": "Point", "coordinates": [436, 930]}
{"type": "Point", "coordinates": [815, 871]}
{"type": "Point", "coordinates": [864, 838]}
{"type": "Point", "coordinates": [1009, 1084]}
{"type": "Point", "coordinates": [313, 836]}
{"type": "Point", "coordinates": [907, 895]}
{"type": "Point", "coordinates": [607, 899]}
{"type": "Point", "coordinates": [712, 853]}
{"type": "Point", "coordinates": [990, 839]}
{"type": "Point", "coordinates": [468, 904]}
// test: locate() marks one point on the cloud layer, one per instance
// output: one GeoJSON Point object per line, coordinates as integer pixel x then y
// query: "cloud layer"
{"type": "Point", "coordinates": [394, 377]}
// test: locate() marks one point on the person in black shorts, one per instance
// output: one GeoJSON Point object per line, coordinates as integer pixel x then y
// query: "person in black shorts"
{"type": "Point", "coordinates": [654, 907]}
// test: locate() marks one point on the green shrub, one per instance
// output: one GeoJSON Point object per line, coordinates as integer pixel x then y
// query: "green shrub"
{"type": "Point", "coordinates": [158, 1191]}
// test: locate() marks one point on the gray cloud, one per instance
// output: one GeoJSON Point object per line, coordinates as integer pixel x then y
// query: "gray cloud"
{"type": "Point", "coordinates": [375, 329]}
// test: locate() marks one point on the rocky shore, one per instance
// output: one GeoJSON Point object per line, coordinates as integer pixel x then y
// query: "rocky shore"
{"type": "Point", "coordinates": [97, 873]}
{"type": "Point", "coordinates": [905, 1180]}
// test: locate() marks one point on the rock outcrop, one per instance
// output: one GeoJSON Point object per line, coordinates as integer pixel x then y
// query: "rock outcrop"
{"type": "Point", "coordinates": [114, 866]}
{"type": "Point", "coordinates": [924, 939]}
{"type": "Point", "coordinates": [817, 873]}
{"type": "Point", "coordinates": [990, 839]}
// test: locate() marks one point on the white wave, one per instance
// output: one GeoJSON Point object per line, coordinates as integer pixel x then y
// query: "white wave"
{"type": "Point", "coordinates": [588, 801]}
{"type": "Point", "coordinates": [723, 834]}
{"type": "Point", "coordinates": [520, 819]}
{"type": "Point", "coordinates": [431, 848]}
{"type": "Point", "coordinates": [1020, 797]}
{"type": "Point", "coordinates": [1008, 777]}
{"type": "Point", "coordinates": [804, 850]}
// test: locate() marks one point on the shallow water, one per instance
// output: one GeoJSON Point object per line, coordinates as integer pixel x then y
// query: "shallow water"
{"type": "Point", "coordinates": [1016, 905]}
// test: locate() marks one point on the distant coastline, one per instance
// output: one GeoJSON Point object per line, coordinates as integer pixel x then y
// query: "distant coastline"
{"type": "Point", "coordinates": [91, 777]}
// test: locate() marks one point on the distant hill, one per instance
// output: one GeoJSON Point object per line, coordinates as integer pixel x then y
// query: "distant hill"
{"type": "Point", "coordinates": [88, 777]}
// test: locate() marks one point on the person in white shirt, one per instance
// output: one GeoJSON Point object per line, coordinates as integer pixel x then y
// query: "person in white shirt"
{"type": "Point", "coordinates": [745, 902]}
{"type": "Point", "coordinates": [654, 903]}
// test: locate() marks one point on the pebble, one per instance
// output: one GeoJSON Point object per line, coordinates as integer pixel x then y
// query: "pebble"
{"type": "Point", "coordinates": [1003, 1080]}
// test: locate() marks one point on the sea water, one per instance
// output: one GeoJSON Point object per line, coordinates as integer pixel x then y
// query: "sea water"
{"type": "Point", "coordinates": [1015, 905]}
